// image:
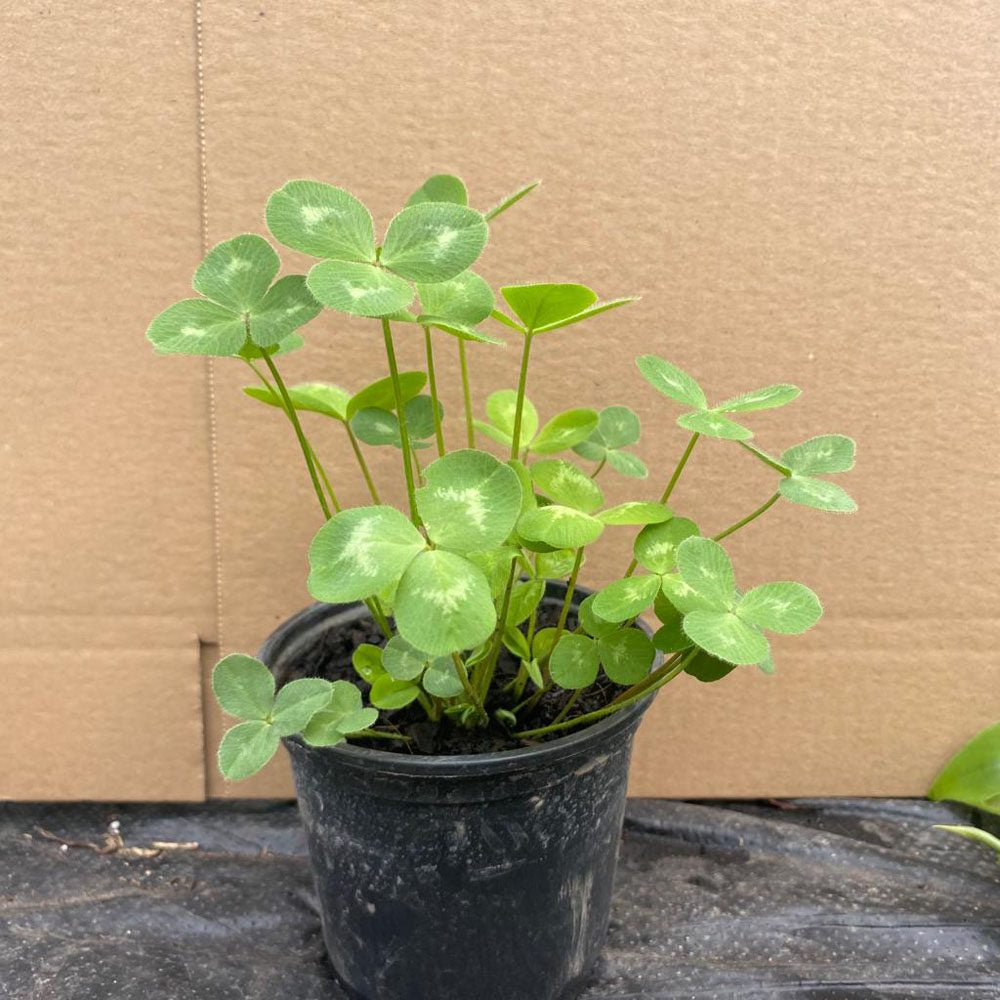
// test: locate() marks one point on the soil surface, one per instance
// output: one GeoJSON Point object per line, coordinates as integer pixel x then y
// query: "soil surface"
{"type": "Point", "coordinates": [330, 657]}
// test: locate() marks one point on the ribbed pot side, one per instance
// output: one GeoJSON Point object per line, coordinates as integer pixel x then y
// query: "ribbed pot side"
{"type": "Point", "coordinates": [484, 877]}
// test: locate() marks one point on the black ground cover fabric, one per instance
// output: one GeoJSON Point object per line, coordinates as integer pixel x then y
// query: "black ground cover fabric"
{"type": "Point", "coordinates": [838, 899]}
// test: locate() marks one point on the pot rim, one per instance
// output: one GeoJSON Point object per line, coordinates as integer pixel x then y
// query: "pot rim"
{"type": "Point", "coordinates": [300, 627]}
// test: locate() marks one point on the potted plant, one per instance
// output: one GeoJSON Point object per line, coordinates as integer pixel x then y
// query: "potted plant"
{"type": "Point", "coordinates": [459, 711]}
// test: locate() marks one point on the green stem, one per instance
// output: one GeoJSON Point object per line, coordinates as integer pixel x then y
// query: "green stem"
{"type": "Point", "coordinates": [767, 505]}
{"type": "Point", "coordinates": [600, 465]}
{"type": "Point", "coordinates": [485, 676]}
{"type": "Point", "coordinates": [404, 434]}
{"type": "Point", "coordinates": [432, 383]}
{"type": "Point", "coordinates": [375, 734]}
{"type": "Point", "coordinates": [470, 427]}
{"type": "Point", "coordinates": [522, 383]}
{"type": "Point", "coordinates": [303, 443]}
{"type": "Point", "coordinates": [323, 476]}
{"type": "Point", "coordinates": [570, 591]}
{"type": "Point", "coordinates": [463, 676]}
{"type": "Point", "coordinates": [570, 702]}
{"type": "Point", "coordinates": [600, 713]}
{"type": "Point", "coordinates": [362, 464]}
{"type": "Point", "coordinates": [650, 679]}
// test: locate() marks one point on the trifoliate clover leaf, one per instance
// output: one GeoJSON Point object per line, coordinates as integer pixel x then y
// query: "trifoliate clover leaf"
{"type": "Point", "coordinates": [683, 597]}
{"type": "Point", "coordinates": [543, 307]}
{"type": "Point", "coordinates": [726, 636]}
{"type": "Point", "coordinates": [635, 512]}
{"type": "Point", "coordinates": [358, 289]}
{"type": "Point", "coordinates": [315, 397]}
{"type": "Point", "coordinates": [381, 394]}
{"type": "Point", "coordinates": [817, 493]}
{"type": "Point", "coordinates": [670, 636]}
{"type": "Point", "coordinates": [624, 599]}
{"type": "Point", "coordinates": [433, 241]}
{"type": "Point", "coordinates": [243, 686]}
{"type": "Point", "coordinates": [246, 748]}
{"type": "Point", "coordinates": [562, 432]}
{"type": "Point", "coordinates": [555, 564]}
{"type": "Point", "coordinates": [403, 661]}
{"type": "Point", "coordinates": [441, 678]}
{"type": "Point", "coordinates": [705, 566]}
{"type": "Point", "coordinates": [376, 426]}
{"type": "Point", "coordinates": [524, 599]}
{"type": "Point", "coordinates": [197, 326]}
{"type": "Point", "coordinates": [819, 455]}
{"type": "Point", "coordinates": [671, 381]}
{"type": "Point", "coordinates": [465, 299]}
{"type": "Point", "coordinates": [786, 607]}
{"type": "Point", "coordinates": [618, 426]}
{"type": "Point", "coordinates": [297, 702]}
{"type": "Point", "coordinates": [574, 662]}
{"type": "Point", "coordinates": [288, 305]}
{"type": "Point", "coordinates": [564, 483]}
{"type": "Point", "coordinates": [440, 187]}
{"type": "Point", "coordinates": [500, 408]}
{"type": "Point", "coordinates": [471, 501]}
{"type": "Point", "coordinates": [236, 274]}
{"type": "Point", "coordinates": [494, 565]}
{"type": "Point", "coordinates": [321, 220]}
{"type": "Point", "coordinates": [655, 547]}
{"type": "Point", "coordinates": [560, 527]}
{"type": "Point", "coordinates": [626, 655]}
{"type": "Point", "coordinates": [367, 662]}
{"type": "Point", "coordinates": [707, 668]}
{"type": "Point", "coordinates": [627, 464]}
{"type": "Point", "coordinates": [343, 715]}
{"type": "Point", "coordinates": [388, 693]}
{"type": "Point", "coordinates": [591, 622]}
{"type": "Point", "coordinates": [768, 398]}
{"type": "Point", "coordinates": [713, 424]}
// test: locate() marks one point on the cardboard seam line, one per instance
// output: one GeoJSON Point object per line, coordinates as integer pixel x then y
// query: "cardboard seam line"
{"type": "Point", "coordinates": [213, 437]}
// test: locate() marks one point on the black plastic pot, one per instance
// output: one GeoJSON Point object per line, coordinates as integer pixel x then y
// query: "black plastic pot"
{"type": "Point", "coordinates": [481, 877]}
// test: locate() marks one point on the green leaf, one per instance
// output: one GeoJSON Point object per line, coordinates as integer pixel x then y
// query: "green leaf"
{"type": "Point", "coordinates": [591, 622]}
{"type": "Point", "coordinates": [541, 644]}
{"type": "Point", "coordinates": [367, 661]}
{"type": "Point", "coordinates": [817, 493]}
{"type": "Point", "coordinates": [823, 454]}
{"type": "Point", "coordinates": [789, 608]}
{"type": "Point", "coordinates": [725, 635]}
{"type": "Point", "coordinates": [361, 551]}
{"type": "Point", "coordinates": [471, 501]}
{"type": "Point", "coordinates": [592, 448]}
{"type": "Point", "coordinates": [321, 220]}
{"type": "Point", "coordinates": [528, 499]}
{"type": "Point", "coordinates": [566, 484]}
{"type": "Point", "coordinates": [444, 604]}
{"type": "Point", "coordinates": [766, 666]}
{"type": "Point", "coordinates": [558, 526]}
{"type": "Point", "coordinates": [511, 199]}
{"type": "Point", "coordinates": [636, 512]}
{"type": "Point", "coordinates": [358, 289]}
{"type": "Point", "coordinates": [434, 241]}
{"type": "Point", "coordinates": [515, 641]}
{"type": "Point", "coordinates": [524, 599]}
{"type": "Point", "coordinates": [377, 427]}
{"type": "Point", "coordinates": [389, 693]}
{"type": "Point", "coordinates": [627, 464]}
{"type": "Point", "coordinates": [618, 426]}
{"type": "Point", "coordinates": [420, 417]}
{"type": "Point", "coordinates": [669, 380]}
{"type": "Point", "coordinates": [500, 408]}
{"type": "Point", "coordinates": [972, 776]}
{"type": "Point", "coordinates": [555, 564]}
{"type": "Point", "coordinates": [402, 660]}
{"type": "Point", "coordinates": [534, 671]}
{"type": "Point", "coordinates": [655, 546]}
{"type": "Point", "coordinates": [466, 299]}
{"type": "Point", "coordinates": [707, 668]}
{"type": "Point", "coordinates": [624, 599]}
{"type": "Point", "coordinates": [715, 425]}
{"type": "Point", "coordinates": [542, 304]}
{"type": "Point", "coordinates": [236, 274]}
{"type": "Point", "coordinates": [768, 398]}
{"type": "Point", "coordinates": [626, 655]}
{"type": "Point", "coordinates": [252, 352]}
{"type": "Point", "coordinates": [683, 597]}
{"type": "Point", "coordinates": [297, 702]}
{"type": "Point", "coordinates": [973, 833]}
{"type": "Point", "coordinates": [287, 306]}
{"type": "Point", "coordinates": [441, 679]}
{"type": "Point", "coordinates": [380, 394]}
{"type": "Point", "coordinates": [502, 317]}
{"type": "Point", "coordinates": [704, 565]}
{"type": "Point", "coordinates": [595, 310]}
{"type": "Point", "coordinates": [243, 686]}
{"type": "Point", "coordinates": [342, 715]}
{"type": "Point", "coordinates": [495, 566]}
{"type": "Point", "coordinates": [317, 397]}
{"type": "Point", "coordinates": [196, 326]}
{"type": "Point", "coordinates": [670, 637]}
{"type": "Point", "coordinates": [440, 187]}
{"type": "Point", "coordinates": [563, 431]}
{"type": "Point", "coordinates": [246, 748]}
{"type": "Point", "coordinates": [574, 662]}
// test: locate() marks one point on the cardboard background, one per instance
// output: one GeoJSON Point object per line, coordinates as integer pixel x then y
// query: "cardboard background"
{"type": "Point", "coordinates": [800, 191]}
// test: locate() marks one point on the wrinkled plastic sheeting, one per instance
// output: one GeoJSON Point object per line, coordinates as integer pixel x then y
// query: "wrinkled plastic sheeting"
{"type": "Point", "coordinates": [821, 899]}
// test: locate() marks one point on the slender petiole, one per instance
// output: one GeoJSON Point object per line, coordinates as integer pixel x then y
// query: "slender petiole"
{"type": "Point", "coordinates": [432, 383]}
{"type": "Point", "coordinates": [363, 465]}
{"type": "Point", "coordinates": [463, 362]}
{"type": "Point", "coordinates": [404, 434]}
{"type": "Point", "coordinates": [767, 505]}
{"type": "Point", "coordinates": [522, 384]}
{"type": "Point", "coordinates": [470, 691]}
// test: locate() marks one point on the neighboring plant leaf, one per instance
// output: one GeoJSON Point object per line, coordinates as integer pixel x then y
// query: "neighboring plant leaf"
{"type": "Point", "coordinates": [670, 637]}
{"type": "Point", "coordinates": [358, 289]}
{"type": "Point", "coordinates": [251, 352]}
{"type": "Point", "coordinates": [466, 298]}
{"type": "Point", "coordinates": [817, 493]}
{"type": "Point", "coordinates": [768, 398]}
{"type": "Point", "coordinates": [705, 566]}
{"type": "Point", "coordinates": [317, 397]}
{"type": "Point", "coordinates": [360, 552]}
{"type": "Point", "coordinates": [511, 199]}
{"type": "Point", "coordinates": [669, 380]}
{"type": "Point", "coordinates": [500, 408]}
{"type": "Point", "coordinates": [592, 448]}
{"type": "Point", "coordinates": [515, 641]}
{"type": "Point", "coordinates": [502, 317]}
{"type": "Point", "coordinates": [471, 501]}
{"type": "Point", "coordinates": [381, 394]}
{"type": "Point", "coordinates": [707, 668]}
{"type": "Point", "coordinates": [433, 241]}
{"type": "Point", "coordinates": [321, 220]}
{"type": "Point", "coordinates": [574, 662]}
{"type": "Point", "coordinates": [367, 661]}
{"type": "Point", "coordinates": [595, 310]}
{"type": "Point", "coordinates": [627, 464]}
{"type": "Point", "coordinates": [715, 425]}
{"type": "Point", "coordinates": [540, 305]}
{"type": "Point", "coordinates": [287, 306]}
{"type": "Point", "coordinates": [524, 599]}
{"type": "Point", "coordinates": [555, 564]}
{"type": "Point", "coordinates": [237, 273]}
{"type": "Point", "coordinates": [243, 686]}
{"type": "Point", "coordinates": [403, 661]}
{"type": "Point", "coordinates": [297, 702]}
{"type": "Point", "coordinates": [972, 776]}
{"type": "Point", "coordinates": [441, 679]}
{"type": "Point", "coordinates": [636, 512]}
{"type": "Point", "coordinates": [975, 834]}
{"type": "Point", "coordinates": [626, 655]}
{"type": "Point", "coordinates": [495, 566]}
{"type": "Point", "coordinates": [789, 608]}
{"type": "Point", "coordinates": [246, 748]}
{"type": "Point", "coordinates": [444, 604]}
{"type": "Point", "coordinates": [591, 622]}
{"type": "Point", "coordinates": [197, 326]}
{"type": "Point", "coordinates": [563, 431]}
{"type": "Point", "coordinates": [389, 693]}
{"type": "Point", "coordinates": [558, 526]}
{"type": "Point", "coordinates": [624, 599]}
{"type": "Point", "coordinates": [824, 454]}
{"type": "Point", "coordinates": [726, 636]}
{"type": "Point", "coordinates": [655, 546]}
{"type": "Point", "coordinates": [420, 417]}
{"type": "Point", "coordinates": [440, 187]}
{"type": "Point", "coordinates": [618, 426]}
{"type": "Point", "coordinates": [377, 427]}
{"type": "Point", "coordinates": [564, 483]}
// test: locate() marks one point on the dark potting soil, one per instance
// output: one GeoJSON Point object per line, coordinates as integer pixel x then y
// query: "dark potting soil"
{"type": "Point", "coordinates": [330, 657]}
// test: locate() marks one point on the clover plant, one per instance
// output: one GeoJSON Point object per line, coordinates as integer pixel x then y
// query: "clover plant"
{"type": "Point", "coordinates": [499, 502]}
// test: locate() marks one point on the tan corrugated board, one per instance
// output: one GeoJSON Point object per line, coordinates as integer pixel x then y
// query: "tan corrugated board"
{"type": "Point", "coordinates": [801, 192]}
